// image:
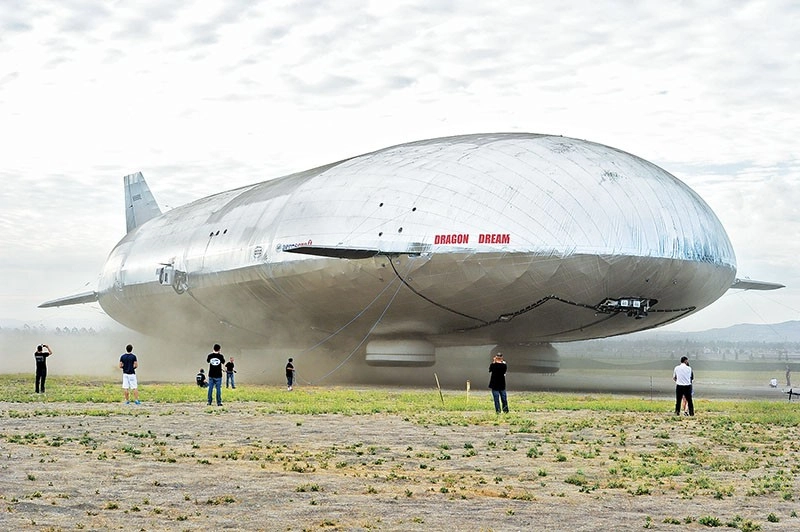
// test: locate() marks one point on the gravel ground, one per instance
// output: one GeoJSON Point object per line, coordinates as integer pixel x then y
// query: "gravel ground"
{"type": "Point", "coordinates": [191, 467]}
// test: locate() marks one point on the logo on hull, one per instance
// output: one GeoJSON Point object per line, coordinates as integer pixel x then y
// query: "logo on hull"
{"type": "Point", "coordinates": [464, 238]}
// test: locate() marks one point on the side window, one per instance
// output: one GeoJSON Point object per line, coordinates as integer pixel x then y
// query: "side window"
{"type": "Point", "coordinates": [165, 275]}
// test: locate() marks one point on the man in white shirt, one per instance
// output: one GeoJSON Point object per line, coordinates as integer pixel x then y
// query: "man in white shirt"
{"type": "Point", "coordinates": [682, 375]}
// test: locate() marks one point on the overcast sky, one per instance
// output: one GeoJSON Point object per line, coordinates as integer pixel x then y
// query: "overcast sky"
{"type": "Point", "coordinates": [206, 96]}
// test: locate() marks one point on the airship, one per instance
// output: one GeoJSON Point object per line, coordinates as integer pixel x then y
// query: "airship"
{"type": "Point", "coordinates": [511, 242]}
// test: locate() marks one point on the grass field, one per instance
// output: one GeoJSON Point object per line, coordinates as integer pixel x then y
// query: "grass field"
{"type": "Point", "coordinates": [364, 458]}
{"type": "Point", "coordinates": [367, 400]}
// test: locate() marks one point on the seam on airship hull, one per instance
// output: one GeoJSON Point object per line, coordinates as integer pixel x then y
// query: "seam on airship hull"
{"type": "Point", "coordinates": [502, 286]}
{"type": "Point", "coordinates": [549, 194]}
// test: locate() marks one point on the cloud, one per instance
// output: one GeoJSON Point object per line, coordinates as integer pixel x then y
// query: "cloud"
{"type": "Point", "coordinates": [81, 16]}
{"type": "Point", "coordinates": [15, 18]}
{"type": "Point", "coordinates": [203, 97]}
{"type": "Point", "coordinates": [8, 78]}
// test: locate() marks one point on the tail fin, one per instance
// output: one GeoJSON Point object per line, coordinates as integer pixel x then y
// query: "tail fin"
{"type": "Point", "coordinates": [77, 299]}
{"type": "Point", "coordinates": [140, 205]}
{"type": "Point", "coordinates": [752, 284]}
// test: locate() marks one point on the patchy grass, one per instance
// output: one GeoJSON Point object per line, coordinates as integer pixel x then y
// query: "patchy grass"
{"type": "Point", "coordinates": [555, 454]}
{"type": "Point", "coordinates": [425, 405]}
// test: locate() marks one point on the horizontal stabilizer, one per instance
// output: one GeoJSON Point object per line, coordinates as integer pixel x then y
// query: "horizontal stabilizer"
{"type": "Point", "coordinates": [77, 299]}
{"type": "Point", "coordinates": [140, 205]}
{"type": "Point", "coordinates": [338, 253]}
{"type": "Point", "coordinates": [750, 284]}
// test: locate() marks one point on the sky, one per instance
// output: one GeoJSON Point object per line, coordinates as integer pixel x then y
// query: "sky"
{"type": "Point", "coordinates": [206, 96]}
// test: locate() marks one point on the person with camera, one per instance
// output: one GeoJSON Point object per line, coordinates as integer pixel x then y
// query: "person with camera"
{"type": "Point", "coordinates": [497, 382]}
{"type": "Point", "coordinates": [41, 366]}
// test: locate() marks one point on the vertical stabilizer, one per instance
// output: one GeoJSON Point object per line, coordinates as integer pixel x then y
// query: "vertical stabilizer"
{"type": "Point", "coordinates": [140, 205]}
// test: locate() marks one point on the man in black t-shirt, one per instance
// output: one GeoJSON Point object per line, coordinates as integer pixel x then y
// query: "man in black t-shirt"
{"type": "Point", "coordinates": [201, 378]}
{"type": "Point", "coordinates": [497, 382]}
{"type": "Point", "coordinates": [229, 371]}
{"type": "Point", "coordinates": [289, 375]}
{"type": "Point", "coordinates": [41, 366]}
{"type": "Point", "coordinates": [128, 364]}
{"type": "Point", "coordinates": [215, 361]}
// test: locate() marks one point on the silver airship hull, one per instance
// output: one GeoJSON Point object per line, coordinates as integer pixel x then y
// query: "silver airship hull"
{"type": "Point", "coordinates": [517, 240]}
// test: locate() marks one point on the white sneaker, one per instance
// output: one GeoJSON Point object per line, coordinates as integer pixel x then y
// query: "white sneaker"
{"type": "Point", "coordinates": [289, 389]}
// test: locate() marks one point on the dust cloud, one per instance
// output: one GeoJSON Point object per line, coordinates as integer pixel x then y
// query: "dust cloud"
{"type": "Point", "coordinates": [96, 353]}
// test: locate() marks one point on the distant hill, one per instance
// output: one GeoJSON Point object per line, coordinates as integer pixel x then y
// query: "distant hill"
{"type": "Point", "coordinates": [773, 333]}
{"type": "Point", "coordinates": [769, 333]}
{"type": "Point", "coordinates": [100, 322]}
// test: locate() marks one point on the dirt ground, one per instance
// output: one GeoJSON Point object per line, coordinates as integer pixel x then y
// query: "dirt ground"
{"type": "Point", "coordinates": [190, 467]}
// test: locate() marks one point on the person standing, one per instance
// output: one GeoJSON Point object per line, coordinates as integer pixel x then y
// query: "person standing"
{"type": "Point", "coordinates": [497, 382]}
{"type": "Point", "coordinates": [289, 375]}
{"type": "Point", "coordinates": [215, 361]}
{"type": "Point", "coordinates": [788, 376]}
{"type": "Point", "coordinates": [682, 375]}
{"type": "Point", "coordinates": [128, 363]}
{"type": "Point", "coordinates": [229, 371]}
{"type": "Point", "coordinates": [41, 366]}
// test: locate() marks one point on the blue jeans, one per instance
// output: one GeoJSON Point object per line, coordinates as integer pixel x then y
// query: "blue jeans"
{"type": "Point", "coordinates": [215, 382]}
{"type": "Point", "coordinates": [229, 379]}
{"type": "Point", "coordinates": [499, 395]}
